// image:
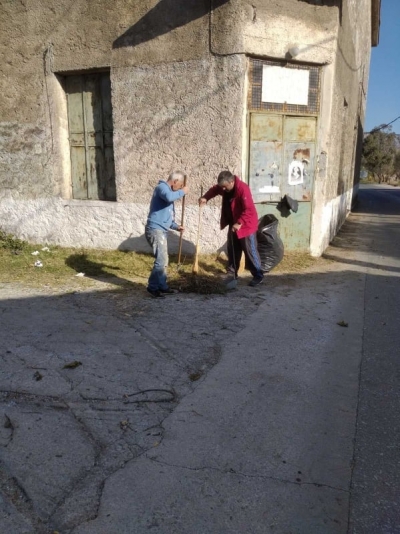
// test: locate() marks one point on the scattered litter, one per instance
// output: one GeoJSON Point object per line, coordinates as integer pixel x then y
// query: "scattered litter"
{"type": "Point", "coordinates": [80, 274]}
{"type": "Point", "coordinates": [38, 263]}
{"type": "Point", "coordinates": [124, 424]}
{"type": "Point", "coordinates": [7, 422]}
{"type": "Point", "coordinates": [45, 249]}
{"type": "Point", "coordinates": [35, 253]}
{"type": "Point", "coordinates": [342, 323]}
{"type": "Point", "coordinates": [195, 376]}
{"type": "Point", "coordinates": [37, 376]}
{"type": "Point", "coordinates": [72, 365]}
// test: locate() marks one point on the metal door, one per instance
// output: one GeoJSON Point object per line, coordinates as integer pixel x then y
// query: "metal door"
{"type": "Point", "coordinates": [91, 136]}
{"type": "Point", "coordinates": [282, 162]}
{"type": "Point", "coordinates": [266, 143]}
{"type": "Point", "coordinates": [299, 157]}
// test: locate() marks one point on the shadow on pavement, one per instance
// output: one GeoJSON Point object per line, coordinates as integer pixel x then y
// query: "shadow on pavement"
{"type": "Point", "coordinates": [88, 380]}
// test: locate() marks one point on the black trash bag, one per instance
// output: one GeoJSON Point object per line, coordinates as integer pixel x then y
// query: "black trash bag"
{"type": "Point", "coordinates": [270, 246]}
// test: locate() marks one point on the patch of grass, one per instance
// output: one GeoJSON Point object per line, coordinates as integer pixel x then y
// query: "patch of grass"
{"type": "Point", "coordinates": [124, 269]}
{"type": "Point", "coordinates": [295, 262]}
{"type": "Point", "coordinates": [9, 242]}
{"type": "Point", "coordinates": [61, 265]}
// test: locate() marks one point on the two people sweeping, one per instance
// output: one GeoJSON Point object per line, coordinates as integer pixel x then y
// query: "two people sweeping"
{"type": "Point", "coordinates": [238, 213]}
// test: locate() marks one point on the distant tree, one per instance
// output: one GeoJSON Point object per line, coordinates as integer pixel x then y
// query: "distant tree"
{"type": "Point", "coordinates": [379, 151]}
{"type": "Point", "coordinates": [396, 165]}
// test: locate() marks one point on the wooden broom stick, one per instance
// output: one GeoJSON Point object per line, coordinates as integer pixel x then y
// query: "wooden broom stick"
{"type": "Point", "coordinates": [195, 268]}
{"type": "Point", "coordinates": [182, 223]}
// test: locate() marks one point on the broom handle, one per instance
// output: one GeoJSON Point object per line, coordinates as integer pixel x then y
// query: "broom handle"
{"type": "Point", "coordinates": [182, 220]}
{"type": "Point", "coordinates": [199, 225]}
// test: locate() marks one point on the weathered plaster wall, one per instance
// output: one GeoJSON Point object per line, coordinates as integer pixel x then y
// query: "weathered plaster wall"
{"type": "Point", "coordinates": [107, 225]}
{"type": "Point", "coordinates": [178, 76]}
{"type": "Point", "coordinates": [175, 106]}
{"type": "Point", "coordinates": [269, 29]}
{"type": "Point", "coordinates": [337, 36]}
{"type": "Point", "coordinates": [191, 119]}
{"type": "Point", "coordinates": [342, 113]}
{"type": "Point", "coordinates": [40, 37]}
{"type": "Point", "coordinates": [23, 150]}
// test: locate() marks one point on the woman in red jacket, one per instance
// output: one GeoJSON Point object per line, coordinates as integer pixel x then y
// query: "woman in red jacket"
{"type": "Point", "coordinates": [240, 215]}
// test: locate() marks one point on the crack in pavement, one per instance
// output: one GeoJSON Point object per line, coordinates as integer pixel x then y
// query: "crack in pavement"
{"type": "Point", "coordinates": [108, 474]}
{"type": "Point", "coordinates": [140, 385]}
{"type": "Point", "coordinates": [13, 490]}
{"type": "Point", "coordinates": [247, 475]}
{"type": "Point", "coordinates": [101, 469]}
{"type": "Point", "coordinates": [8, 424]}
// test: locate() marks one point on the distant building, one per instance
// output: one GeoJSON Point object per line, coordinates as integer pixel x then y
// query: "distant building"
{"type": "Point", "coordinates": [99, 100]}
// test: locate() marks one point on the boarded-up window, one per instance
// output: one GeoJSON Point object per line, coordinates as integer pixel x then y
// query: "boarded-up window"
{"type": "Point", "coordinates": [91, 136]}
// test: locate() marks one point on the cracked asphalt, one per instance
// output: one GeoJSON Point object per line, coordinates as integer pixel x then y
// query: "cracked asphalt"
{"type": "Point", "coordinates": [259, 411]}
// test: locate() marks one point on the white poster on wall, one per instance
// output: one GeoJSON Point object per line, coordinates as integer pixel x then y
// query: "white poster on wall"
{"type": "Point", "coordinates": [296, 172]}
{"type": "Point", "coordinates": [282, 85]}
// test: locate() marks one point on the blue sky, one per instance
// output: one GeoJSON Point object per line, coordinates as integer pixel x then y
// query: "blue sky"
{"type": "Point", "coordinates": [383, 99]}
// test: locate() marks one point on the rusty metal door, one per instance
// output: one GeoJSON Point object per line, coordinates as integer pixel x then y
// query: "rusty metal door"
{"type": "Point", "coordinates": [299, 157]}
{"type": "Point", "coordinates": [281, 162]}
{"type": "Point", "coordinates": [91, 136]}
{"type": "Point", "coordinates": [266, 165]}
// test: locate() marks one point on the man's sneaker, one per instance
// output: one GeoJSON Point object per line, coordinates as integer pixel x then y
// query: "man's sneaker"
{"type": "Point", "coordinates": [169, 291]}
{"type": "Point", "coordinates": [257, 280]}
{"type": "Point", "coordinates": [155, 293]}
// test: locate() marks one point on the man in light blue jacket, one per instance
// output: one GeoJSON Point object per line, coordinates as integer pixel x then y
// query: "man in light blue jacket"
{"type": "Point", "coordinates": [161, 219]}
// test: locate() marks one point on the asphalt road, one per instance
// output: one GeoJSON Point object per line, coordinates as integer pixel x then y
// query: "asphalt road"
{"type": "Point", "coordinates": [271, 410]}
{"type": "Point", "coordinates": [375, 493]}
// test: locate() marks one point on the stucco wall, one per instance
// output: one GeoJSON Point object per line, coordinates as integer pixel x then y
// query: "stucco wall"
{"type": "Point", "coordinates": [269, 29]}
{"type": "Point", "coordinates": [178, 74]}
{"type": "Point", "coordinates": [103, 225]}
{"type": "Point", "coordinates": [342, 113]}
{"type": "Point", "coordinates": [192, 127]}
{"type": "Point", "coordinates": [191, 119]}
{"type": "Point", "coordinates": [45, 37]}
{"type": "Point", "coordinates": [175, 105]}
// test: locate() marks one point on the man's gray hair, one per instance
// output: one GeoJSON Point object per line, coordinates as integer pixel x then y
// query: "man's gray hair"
{"type": "Point", "coordinates": [225, 176]}
{"type": "Point", "coordinates": [176, 175]}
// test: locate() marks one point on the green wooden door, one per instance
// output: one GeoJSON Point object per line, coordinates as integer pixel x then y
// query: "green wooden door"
{"type": "Point", "coordinates": [91, 136]}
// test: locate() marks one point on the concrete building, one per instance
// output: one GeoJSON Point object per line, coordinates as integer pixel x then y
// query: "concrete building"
{"type": "Point", "coordinates": [101, 99]}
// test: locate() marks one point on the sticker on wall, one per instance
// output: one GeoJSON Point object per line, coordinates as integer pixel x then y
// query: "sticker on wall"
{"type": "Point", "coordinates": [296, 172]}
{"type": "Point", "coordinates": [269, 189]}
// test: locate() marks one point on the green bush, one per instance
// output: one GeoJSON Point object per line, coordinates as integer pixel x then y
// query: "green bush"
{"type": "Point", "coordinates": [10, 242]}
